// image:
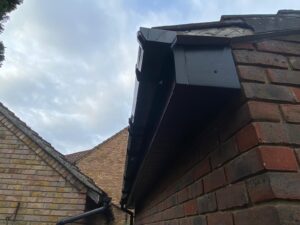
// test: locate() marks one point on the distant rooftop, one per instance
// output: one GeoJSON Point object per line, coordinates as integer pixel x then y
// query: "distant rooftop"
{"type": "Point", "coordinates": [74, 157]}
{"type": "Point", "coordinates": [77, 156]}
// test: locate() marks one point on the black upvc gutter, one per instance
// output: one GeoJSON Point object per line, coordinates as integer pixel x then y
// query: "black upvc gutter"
{"type": "Point", "coordinates": [102, 209]}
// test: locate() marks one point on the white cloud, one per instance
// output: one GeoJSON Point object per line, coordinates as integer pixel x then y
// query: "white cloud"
{"type": "Point", "coordinates": [69, 69]}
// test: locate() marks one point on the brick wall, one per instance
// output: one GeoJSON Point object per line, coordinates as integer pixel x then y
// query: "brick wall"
{"type": "Point", "coordinates": [28, 177]}
{"type": "Point", "coordinates": [244, 169]}
{"type": "Point", "coordinates": [105, 165]}
{"type": "Point", "coordinates": [120, 217]}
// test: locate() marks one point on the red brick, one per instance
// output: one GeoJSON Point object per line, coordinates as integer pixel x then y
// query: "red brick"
{"type": "Point", "coordinates": [256, 91]}
{"type": "Point", "coordinates": [264, 215]}
{"type": "Point", "coordinates": [248, 46]}
{"type": "Point", "coordinates": [295, 62]}
{"type": "Point", "coordinates": [214, 180]}
{"type": "Point", "coordinates": [190, 207]}
{"type": "Point", "coordinates": [169, 214]}
{"type": "Point", "coordinates": [184, 221]}
{"type": "Point", "coordinates": [289, 214]}
{"type": "Point", "coordinates": [283, 214]}
{"type": "Point", "coordinates": [192, 220]}
{"type": "Point", "coordinates": [259, 159]}
{"type": "Point", "coordinates": [260, 58]}
{"type": "Point", "coordinates": [207, 203]}
{"type": "Point", "coordinates": [278, 158]}
{"type": "Point", "coordinates": [199, 220]}
{"type": "Point", "coordinates": [179, 209]}
{"type": "Point", "coordinates": [298, 154]}
{"type": "Point", "coordinates": [264, 111]}
{"type": "Point", "coordinates": [252, 73]}
{"type": "Point", "coordinates": [291, 113]}
{"type": "Point", "coordinates": [284, 76]}
{"type": "Point", "coordinates": [268, 132]}
{"type": "Point", "coordinates": [247, 138]}
{"type": "Point", "coordinates": [227, 151]}
{"type": "Point", "coordinates": [195, 189]}
{"type": "Point", "coordinates": [166, 214]}
{"type": "Point", "coordinates": [247, 164]}
{"type": "Point", "coordinates": [274, 185]}
{"type": "Point", "coordinates": [183, 195]}
{"type": "Point", "coordinates": [173, 222]}
{"type": "Point", "coordinates": [293, 131]}
{"type": "Point", "coordinates": [296, 92]}
{"type": "Point", "coordinates": [201, 169]}
{"type": "Point", "coordinates": [232, 196]}
{"type": "Point", "coordinates": [171, 201]}
{"type": "Point", "coordinates": [219, 218]}
{"type": "Point", "coordinates": [279, 47]}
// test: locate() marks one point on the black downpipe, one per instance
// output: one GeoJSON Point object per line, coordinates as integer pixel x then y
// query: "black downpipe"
{"type": "Point", "coordinates": [84, 215]}
{"type": "Point", "coordinates": [128, 212]}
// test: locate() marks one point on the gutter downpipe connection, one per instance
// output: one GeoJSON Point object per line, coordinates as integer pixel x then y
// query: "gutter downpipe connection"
{"type": "Point", "coordinates": [102, 209]}
{"type": "Point", "coordinates": [128, 212]}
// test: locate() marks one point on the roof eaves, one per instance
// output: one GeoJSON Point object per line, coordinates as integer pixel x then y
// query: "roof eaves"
{"type": "Point", "coordinates": [186, 39]}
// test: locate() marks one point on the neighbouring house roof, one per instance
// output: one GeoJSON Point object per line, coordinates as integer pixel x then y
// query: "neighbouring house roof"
{"type": "Point", "coordinates": [182, 72]}
{"type": "Point", "coordinates": [105, 163]}
{"type": "Point", "coordinates": [94, 192]}
{"type": "Point", "coordinates": [75, 157]}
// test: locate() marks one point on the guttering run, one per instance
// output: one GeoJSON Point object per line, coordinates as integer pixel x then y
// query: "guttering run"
{"type": "Point", "coordinates": [100, 210]}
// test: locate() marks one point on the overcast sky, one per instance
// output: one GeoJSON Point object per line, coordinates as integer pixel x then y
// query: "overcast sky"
{"type": "Point", "coordinates": [69, 68]}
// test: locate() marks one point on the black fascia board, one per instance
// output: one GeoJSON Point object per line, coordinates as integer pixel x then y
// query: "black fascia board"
{"type": "Point", "coordinates": [152, 42]}
{"type": "Point", "coordinates": [163, 77]}
{"type": "Point", "coordinates": [156, 88]}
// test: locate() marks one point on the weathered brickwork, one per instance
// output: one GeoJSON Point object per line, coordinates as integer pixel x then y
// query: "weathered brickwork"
{"type": "Point", "coordinates": [120, 217]}
{"type": "Point", "coordinates": [105, 165]}
{"type": "Point", "coordinates": [245, 169]}
{"type": "Point", "coordinates": [31, 178]}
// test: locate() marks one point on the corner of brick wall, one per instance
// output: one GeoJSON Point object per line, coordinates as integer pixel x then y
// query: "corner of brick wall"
{"type": "Point", "coordinates": [245, 171]}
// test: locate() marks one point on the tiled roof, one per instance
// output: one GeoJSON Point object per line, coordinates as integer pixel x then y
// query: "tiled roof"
{"type": "Point", "coordinates": [74, 157]}
{"type": "Point", "coordinates": [77, 156]}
